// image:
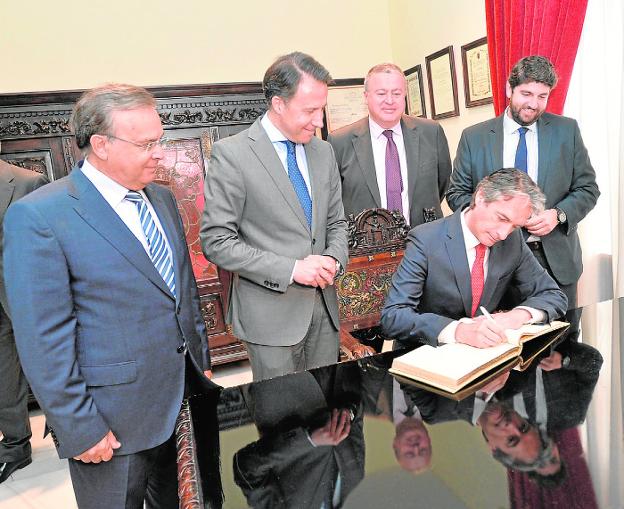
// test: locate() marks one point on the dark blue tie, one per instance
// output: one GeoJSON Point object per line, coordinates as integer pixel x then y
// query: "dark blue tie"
{"type": "Point", "coordinates": [296, 178]}
{"type": "Point", "coordinates": [521, 151]}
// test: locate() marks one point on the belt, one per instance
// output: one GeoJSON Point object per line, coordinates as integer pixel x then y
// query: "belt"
{"type": "Point", "coordinates": [534, 245]}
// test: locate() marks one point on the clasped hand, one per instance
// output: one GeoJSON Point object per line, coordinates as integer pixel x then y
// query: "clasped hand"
{"type": "Point", "coordinates": [484, 332]}
{"type": "Point", "coordinates": [315, 270]}
{"type": "Point", "coordinates": [336, 429]}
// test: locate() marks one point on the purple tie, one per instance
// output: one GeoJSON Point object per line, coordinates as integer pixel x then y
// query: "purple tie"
{"type": "Point", "coordinates": [394, 182]}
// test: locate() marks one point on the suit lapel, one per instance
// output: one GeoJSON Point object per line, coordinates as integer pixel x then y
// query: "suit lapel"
{"type": "Point", "coordinates": [264, 150]}
{"type": "Point", "coordinates": [7, 187]}
{"type": "Point", "coordinates": [544, 140]}
{"type": "Point", "coordinates": [96, 211]}
{"type": "Point", "coordinates": [364, 153]}
{"type": "Point", "coordinates": [316, 188]}
{"type": "Point", "coordinates": [168, 222]}
{"type": "Point", "coordinates": [495, 145]}
{"type": "Point", "coordinates": [456, 249]}
{"type": "Point", "coordinates": [411, 140]}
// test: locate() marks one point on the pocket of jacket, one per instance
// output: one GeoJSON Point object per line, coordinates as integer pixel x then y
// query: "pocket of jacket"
{"type": "Point", "coordinates": [110, 374]}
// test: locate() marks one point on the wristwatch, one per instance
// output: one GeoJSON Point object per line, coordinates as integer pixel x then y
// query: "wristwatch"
{"type": "Point", "coordinates": [565, 362]}
{"type": "Point", "coordinates": [561, 216]}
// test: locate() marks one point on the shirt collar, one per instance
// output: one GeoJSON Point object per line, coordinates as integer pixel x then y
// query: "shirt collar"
{"type": "Point", "coordinates": [470, 240]}
{"type": "Point", "coordinates": [113, 192]}
{"type": "Point", "coordinates": [274, 134]}
{"type": "Point", "coordinates": [510, 126]}
{"type": "Point", "coordinates": [376, 130]}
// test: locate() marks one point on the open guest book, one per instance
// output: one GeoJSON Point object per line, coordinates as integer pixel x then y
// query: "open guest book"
{"type": "Point", "coordinates": [456, 370]}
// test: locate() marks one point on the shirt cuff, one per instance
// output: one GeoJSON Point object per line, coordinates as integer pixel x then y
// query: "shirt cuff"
{"type": "Point", "coordinates": [292, 274]}
{"type": "Point", "coordinates": [537, 315]}
{"type": "Point", "coordinates": [447, 335]}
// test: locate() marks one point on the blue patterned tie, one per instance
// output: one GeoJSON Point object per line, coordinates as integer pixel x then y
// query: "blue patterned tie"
{"type": "Point", "coordinates": [521, 152]}
{"type": "Point", "coordinates": [296, 178]}
{"type": "Point", "coordinates": [159, 250]}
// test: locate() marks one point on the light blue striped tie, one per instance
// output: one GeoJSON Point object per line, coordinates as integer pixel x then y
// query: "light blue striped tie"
{"type": "Point", "coordinates": [159, 250]}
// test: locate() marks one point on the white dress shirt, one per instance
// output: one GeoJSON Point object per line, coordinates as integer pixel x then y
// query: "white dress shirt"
{"type": "Point", "coordinates": [379, 142]}
{"type": "Point", "coordinates": [277, 138]}
{"type": "Point", "coordinates": [447, 335]}
{"type": "Point", "coordinates": [511, 137]}
{"type": "Point", "coordinates": [115, 194]}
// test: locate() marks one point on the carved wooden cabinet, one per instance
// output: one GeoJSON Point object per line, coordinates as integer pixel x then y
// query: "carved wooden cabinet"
{"type": "Point", "coordinates": [35, 134]}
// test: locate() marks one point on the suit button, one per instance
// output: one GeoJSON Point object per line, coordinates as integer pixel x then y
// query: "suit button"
{"type": "Point", "coordinates": [181, 349]}
{"type": "Point", "coordinates": [313, 241]}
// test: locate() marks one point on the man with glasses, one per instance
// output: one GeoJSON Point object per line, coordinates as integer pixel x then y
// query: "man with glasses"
{"type": "Point", "coordinates": [105, 307]}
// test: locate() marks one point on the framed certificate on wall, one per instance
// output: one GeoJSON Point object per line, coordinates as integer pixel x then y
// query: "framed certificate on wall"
{"type": "Point", "coordinates": [477, 81]}
{"type": "Point", "coordinates": [345, 105]}
{"type": "Point", "coordinates": [442, 84]}
{"type": "Point", "coordinates": [415, 92]}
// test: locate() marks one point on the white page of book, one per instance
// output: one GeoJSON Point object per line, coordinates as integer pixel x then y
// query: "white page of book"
{"type": "Point", "coordinates": [452, 360]}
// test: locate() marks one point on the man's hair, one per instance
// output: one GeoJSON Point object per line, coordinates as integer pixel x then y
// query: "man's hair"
{"type": "Point", "coordinates": [533, 68]}
{"type": "Point", "coordinates": [382, 68]}
{"type": "Point", "coordinates": [506, 184]}
{"type": "Point", "coordinates": [284, 75]}
{"type": "Point", "coordinates": [93, 111]}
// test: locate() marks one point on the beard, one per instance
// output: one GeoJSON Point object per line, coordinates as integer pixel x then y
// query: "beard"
{"type": "Point", "coordinates": [515, 114]}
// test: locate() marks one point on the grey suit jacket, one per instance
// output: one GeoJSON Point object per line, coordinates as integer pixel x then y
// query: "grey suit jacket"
{"type": "Point", "coordinates": [428, 166]}
{"type": "Point", "coordinates": [97, 330]}
{"type": "Point", "coordinates": [254, 226]}
{"type": "Point", "coordinates": [431, 288]}
{"type": "Point", "coordinates": [15, 182]}
{"type": "Point", "coordinates": [565, 175]}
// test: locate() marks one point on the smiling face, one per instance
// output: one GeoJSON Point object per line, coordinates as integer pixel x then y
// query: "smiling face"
{"type": "Point", "coordinates": [127, 164]}
{"type": "Point", "coordinates": [385, 97]}
{"type": "Point", "coordinates": [527, 101]}
{"type": "Point", "coordinates": [494, 221]}
{"type": "Point", "coordinates": [298, 118]}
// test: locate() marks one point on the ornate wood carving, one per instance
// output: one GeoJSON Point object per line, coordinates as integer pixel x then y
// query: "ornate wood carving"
{"type": "Point", "coordinates": [189, 490]}
{"type": "Point", "coordinates": [36, 161]}
{"type": "Point", "coordinates": [376, 230]}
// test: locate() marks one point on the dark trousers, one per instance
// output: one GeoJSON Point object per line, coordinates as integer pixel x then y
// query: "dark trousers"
{"type": "Point", "coordinates": [127, 481]}
{"type": "Point", "coordinates": [573, 315]}
{"type": "Point", "coordinates": [14, 422]}
{"type": "Point", "coordinates": [319, 347]}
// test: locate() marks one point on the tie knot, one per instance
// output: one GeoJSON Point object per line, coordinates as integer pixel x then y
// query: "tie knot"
{"type": "Point", "coordinates": [134, 197]}
{"type": "Point", "coordinates": [481, 248]}
{"type": "Point", "coordinates": [522, 130]}
{"type": "Point", "coordinates": [388, 133]}
{"type": "Point", "coordinates": [290, 146]}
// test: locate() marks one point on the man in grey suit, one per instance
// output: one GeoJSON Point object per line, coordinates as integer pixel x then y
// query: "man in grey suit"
{"type": "Point", "coordinates": [389, 159]}
{"type": "Point", "coordinates": [105, 307]}
{"type": "Point", "coordinates": [455, 266]}
{"type": "Point", "coordinates": [274, 217]}
{"type": "Point", "coordinates": [15, 451]}
{"type": "Point", "coordinates": [550, 148]}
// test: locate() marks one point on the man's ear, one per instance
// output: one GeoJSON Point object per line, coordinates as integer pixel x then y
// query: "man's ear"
{"type": "Point", "coordinates": [99, 146]}
{"type": "Point", "coordinates": [508, 90]}
{"type": "Point", "coordinates": [278, 104]}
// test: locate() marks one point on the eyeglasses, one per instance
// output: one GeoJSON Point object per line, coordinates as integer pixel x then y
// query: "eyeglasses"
{"type": "Point", "coordinates": [147, 147]}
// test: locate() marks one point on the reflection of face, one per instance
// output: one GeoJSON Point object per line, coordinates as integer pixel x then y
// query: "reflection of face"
{"type": "Point", "coordinates": [298, 117]}
{"type": "Point", "coordinates": [412, 446]}
{"type": "Point", "coordinates": [385, 97]}
{"type": "Point", "coordinates": [527, 101]}
{"type": "Point", "coordinates": [127, 164]}
{"type": "Point", "coordinates": [505, 430]}
{"type": "Point", "coordinates": [494, 221]}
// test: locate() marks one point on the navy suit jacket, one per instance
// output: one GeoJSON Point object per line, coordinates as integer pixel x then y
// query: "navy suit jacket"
{"type": "Point", "coordinates": [431, 288]}
{"type": "Point", "coordinates": [565, 175]}
{"type": "Point", "coordinates": [97, 329]}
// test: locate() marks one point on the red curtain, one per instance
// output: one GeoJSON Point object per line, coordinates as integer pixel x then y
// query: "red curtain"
{"type": "Point", "coordinates": [519, 28]}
